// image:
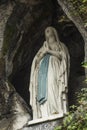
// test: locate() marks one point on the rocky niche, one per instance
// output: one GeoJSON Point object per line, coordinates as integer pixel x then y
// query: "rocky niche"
{"type": "Point", "coordinates": [23, 36]}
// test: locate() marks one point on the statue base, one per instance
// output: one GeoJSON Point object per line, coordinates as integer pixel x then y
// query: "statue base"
{"type": "Point", "coordinates": [45, 119]}
{"type": "Point", "coordinates": [45, 123]}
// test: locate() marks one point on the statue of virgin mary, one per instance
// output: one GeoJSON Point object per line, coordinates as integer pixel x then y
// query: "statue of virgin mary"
{"type": "Point", "coordinates": [49, 77]}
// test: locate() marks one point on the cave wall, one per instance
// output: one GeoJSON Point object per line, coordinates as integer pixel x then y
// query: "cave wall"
{"type": "Point", "coordinates": [5, 12]}
{"type": "Point", "coordinates": [32, 21]}
{"type": "Point", "coordinates": [29, 22]}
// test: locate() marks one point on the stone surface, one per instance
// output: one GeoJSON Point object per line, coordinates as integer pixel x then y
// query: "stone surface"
{"type": "Point", "coordinates": [5, 11]}
{"type": "Point", "coordinates": [14, 113]}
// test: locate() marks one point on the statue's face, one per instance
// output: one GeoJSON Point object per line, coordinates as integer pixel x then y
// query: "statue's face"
{"type": "Point", "coordinates": [50, 36]}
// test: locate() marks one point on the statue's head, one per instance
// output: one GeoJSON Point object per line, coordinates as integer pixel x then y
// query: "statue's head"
{"type": "Point", "coordinates": [51, 35]}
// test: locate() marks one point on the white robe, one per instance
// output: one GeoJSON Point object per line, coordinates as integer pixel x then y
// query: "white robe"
{"type": "Point", "coordinates": [58, 72]}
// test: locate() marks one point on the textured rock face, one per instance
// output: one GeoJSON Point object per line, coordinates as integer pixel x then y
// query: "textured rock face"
{"type": "Point", "coordinates": [14, 113]}
{"type": "Point", "coordinates": [5, 12]}
{"type": "Point", "coordinates": [21, 36]}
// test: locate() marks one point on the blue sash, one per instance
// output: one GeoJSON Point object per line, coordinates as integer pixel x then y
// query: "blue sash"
{"type": "Point", "coordinates": [42, 80]}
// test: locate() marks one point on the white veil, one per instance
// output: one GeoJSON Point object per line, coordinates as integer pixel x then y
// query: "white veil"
{"type": "Point", "coordinates": [56, 36]}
